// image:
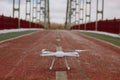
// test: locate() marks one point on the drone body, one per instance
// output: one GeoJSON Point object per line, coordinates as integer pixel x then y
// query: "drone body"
{"type": "Point", "coordinates": [59, 54]}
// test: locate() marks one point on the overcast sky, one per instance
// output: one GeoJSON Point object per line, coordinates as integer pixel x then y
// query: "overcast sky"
{"type": "Point", "coordinates": [58, 9]}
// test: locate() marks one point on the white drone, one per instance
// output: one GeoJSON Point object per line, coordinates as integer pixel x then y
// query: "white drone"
{"type": "Point", "coordinates": [59, 54]}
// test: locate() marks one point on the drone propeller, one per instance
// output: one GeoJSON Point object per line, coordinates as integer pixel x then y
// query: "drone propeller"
{"type": "Point", "coordinates": [43, 50]}
{"type": "Point", "coordinates": [80, 50]}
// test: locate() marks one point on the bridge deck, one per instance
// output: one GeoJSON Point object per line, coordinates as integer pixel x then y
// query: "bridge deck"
{"type": "Point", "coordinates": [20, 59]}
{"type": "Point", "coordinates": [61, 75]}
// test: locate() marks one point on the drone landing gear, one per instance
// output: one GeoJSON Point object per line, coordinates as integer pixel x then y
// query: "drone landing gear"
{"type": "Point", "coordinates": [66, 63]}
{"type": "Point", "coordinates": [53, 61]}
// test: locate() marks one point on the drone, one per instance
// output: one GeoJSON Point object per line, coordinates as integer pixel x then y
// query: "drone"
{"type": "Point", "coordinates": [60, 54]}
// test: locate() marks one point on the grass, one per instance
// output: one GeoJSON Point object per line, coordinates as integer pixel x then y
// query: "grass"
{"type": "Point", "coordinates": [6, 36]}
{"type": "Point", "coordinates": [113, 40]}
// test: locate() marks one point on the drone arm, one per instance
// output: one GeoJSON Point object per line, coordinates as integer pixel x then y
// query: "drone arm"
{"type": "Point", "coordinates": [72, 54]}
{"type": "Point", "coordinates": [48, 54]}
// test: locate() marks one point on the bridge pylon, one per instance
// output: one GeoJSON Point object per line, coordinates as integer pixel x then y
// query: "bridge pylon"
{"type": "Point", "coordinates": [98, 11]}
{"type": "Point", "coordinates": [16, 8]}
{"type": "Point", "coordinates": [87, 13]}
{"type": "Point", "coordinates": [28, 12]}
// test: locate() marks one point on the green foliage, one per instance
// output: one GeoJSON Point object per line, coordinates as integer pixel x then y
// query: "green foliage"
{"type": "Point", "coordinates": [113, 40]}
{"type": "Point", "coordinates": [6, 36]}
